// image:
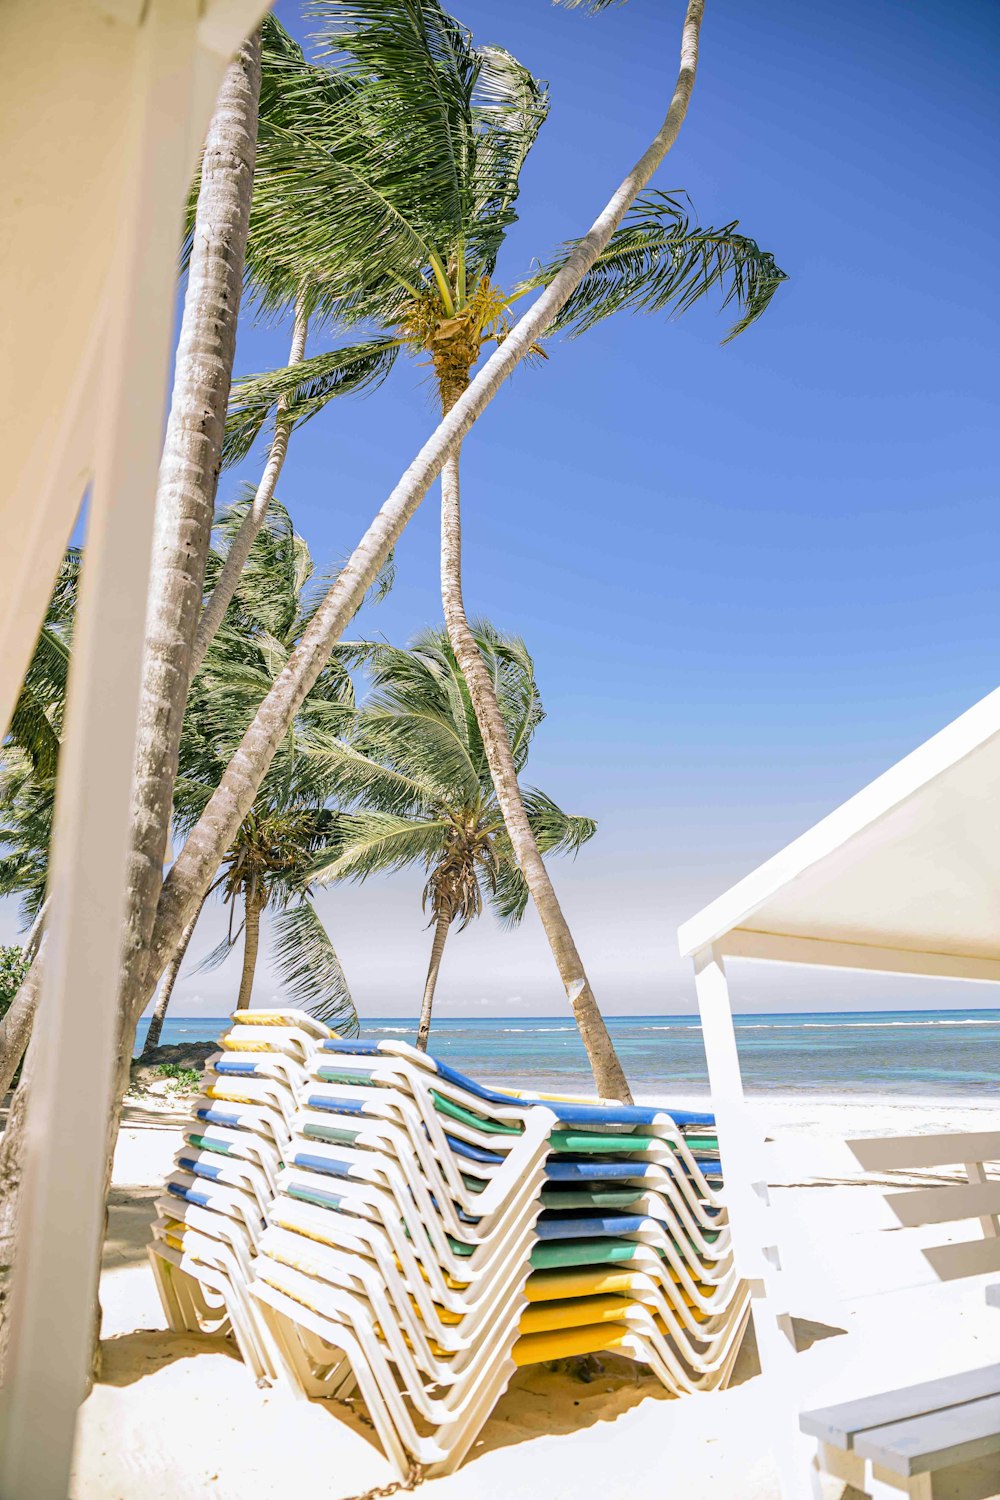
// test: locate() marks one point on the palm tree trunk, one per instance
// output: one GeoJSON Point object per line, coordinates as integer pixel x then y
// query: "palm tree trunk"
{"type": "Point", "coordinates": [236, 557]}
{"type": "Point", "coordinates": [169, 980]}
{"type": "Point", "coordinates": [36, 932]}
{"type": "Point", "coordinates": [441, 927]}
{"type": "Point", "coordinates": [189, 473]}
{"type": "Point", "coordinates": [608, 1073]}
{"type": "Point", "coordinates": [251, 943]}
{"type": "Point", "coordinates": [229, 804]}
{"type": "Point", "coordinates": [185, 504]}
{"type": "Point", "coordinates": [15, 1029]}
{"type": "Point", "coordinates": [12, 1157]}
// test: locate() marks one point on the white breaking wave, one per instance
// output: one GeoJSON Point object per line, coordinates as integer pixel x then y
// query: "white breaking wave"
{"type": "Point", "coordinates": [850, 1025]}
{"type": "Point", "coordinates": [534, 1030]}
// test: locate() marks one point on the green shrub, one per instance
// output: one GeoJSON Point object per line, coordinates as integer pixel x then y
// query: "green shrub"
{"type": "Point", "coordinates": [181, 1079]}
{"type": "Point", "coordinates": [13, 967]}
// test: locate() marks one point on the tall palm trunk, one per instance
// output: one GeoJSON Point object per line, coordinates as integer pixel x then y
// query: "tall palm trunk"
{"type": "Point", "coordinates": [36, 932]}
{"type": "Point", "coordinates": [607, 1070]}
{"type": "Point", "coordinates": [15, 1029]}
{"type": "Point", "coordinates": [167, 989]}
{"type": "Point", "coordinates": [11, 1167]}
{"type": "Point", "coordinates": [441, 927]}
{"type": "Point", "coordinates": [229, 577]}
{"type": "Point", "coordinates": [189, 473]}
{"type": "Point", "coordinates": [251, 945]}
{"type": "Point", "coordinates": [229, 804]}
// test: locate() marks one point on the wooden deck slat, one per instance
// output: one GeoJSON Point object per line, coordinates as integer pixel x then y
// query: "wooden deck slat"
{"type": "Point", "coordinates": [841, 1425]}
{"type": "Point", "coordinates": [938, 1440]}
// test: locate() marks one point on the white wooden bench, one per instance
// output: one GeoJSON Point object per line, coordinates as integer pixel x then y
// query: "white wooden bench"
{"type": "Point", "coordinates": [898, 1441]}
{"type": "Point", "coordinates": [893, 1443]}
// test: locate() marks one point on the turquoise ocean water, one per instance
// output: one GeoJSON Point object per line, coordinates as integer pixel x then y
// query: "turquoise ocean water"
{"type": "Point", "coordinates": [909, 1053]}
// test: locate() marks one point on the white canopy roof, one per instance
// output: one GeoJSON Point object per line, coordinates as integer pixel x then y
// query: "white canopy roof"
{"type": "Point", "coordinates": [903, 877]}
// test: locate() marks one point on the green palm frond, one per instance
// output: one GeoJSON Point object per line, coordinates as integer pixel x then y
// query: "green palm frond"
{"type": "Point", "coordinates": [422, 743]}
{"type": "Point", "coordinates": [427, 68]}
{"type": "Point", "coordinates": [353, 777]}
{"type": "Point", "coordinates": [509, 109]}
{"type": "Point", "coordinates": [35, 727]}
{"type": "Point", "coordinates": [306, 110]}
{"type": "Point", "coordinates": [368, 843]}
{"type": "Point", "coordinates": [391, 172]}
{"type": "Point", "coordinates": [509, 895]}
{"type": "Point", "coordinates": [307, 386]}
{"type": "Point", "coordinates": [309, 969]}
{"type": "Point", "coordinates": [381, 139]}
{"type": "Point", "coordinates": [191, 797]}
{"type": "Point", "coordinates": [355, 653]}
{"type": "Point", "coordinates": [26, 805]}
{"type": "Point", "coordinates": [217, 956]}
{"type": "Point", "coordinates": [269, 595]}
{"type": "Point", "coordinates": [513, 672]}
{"type": "Point", "coordinates": [555, 831]}
{"type": "Point", "coordinates": [33, 731]}
{"type": "Point", "coordinates": [593, 6]}
{"type": "Point", "coordinates": [658, 261]}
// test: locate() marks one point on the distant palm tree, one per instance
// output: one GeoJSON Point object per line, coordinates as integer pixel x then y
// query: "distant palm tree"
{"type": "Point", "coordinates": [415, 764]}
{"type": "Point", "coordinates": [269, 862]}
{"type": "Point", "coordinates": [390, 186]}
{"type": "Point", "coordinates": [268, 866]}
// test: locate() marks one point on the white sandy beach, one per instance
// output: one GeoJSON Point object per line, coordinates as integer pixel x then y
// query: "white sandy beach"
{"type": "Point", "coordinates": [175, 1418]}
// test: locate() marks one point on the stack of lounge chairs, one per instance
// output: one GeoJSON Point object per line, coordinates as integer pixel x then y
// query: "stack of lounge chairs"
{"type": "Point", "coordinates": [215, 1202]}
{"type": "Point", "coordinates": [426, 1237]}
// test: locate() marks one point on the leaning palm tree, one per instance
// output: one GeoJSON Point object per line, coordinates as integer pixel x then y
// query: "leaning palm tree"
{"type": "Point", "coordinates": [431, 206]}
{"type": "Point", "coordinates": [185, 501]}
{"type": "Point", "coordinates": [415, 764]}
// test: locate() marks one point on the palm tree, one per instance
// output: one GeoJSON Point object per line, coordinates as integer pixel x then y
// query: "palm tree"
{"type": "Point", "coordinates": [434, 222]}
{"type": "Point", "coordinates": [269, 862]}
{"type": "Point", "coordinates": [268, 865]}
{"type": "Point", "coordinates": [415, 764]}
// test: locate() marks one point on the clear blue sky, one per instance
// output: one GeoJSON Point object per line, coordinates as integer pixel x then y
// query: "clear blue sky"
{"type": "Point", "coordinates": [751, 576]}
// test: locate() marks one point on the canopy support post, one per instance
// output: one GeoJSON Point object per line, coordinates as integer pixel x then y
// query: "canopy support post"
{"type": "Point", "coordinates": [748, 1205]}
{"type": "Point", "coordinates": [62, 1209]}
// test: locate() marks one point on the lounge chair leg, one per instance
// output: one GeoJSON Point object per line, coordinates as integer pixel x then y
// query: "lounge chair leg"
{"type": "Point", "coordinates": [881, 1484]}
{"type": "Point", "coordinates": [846, 1467]}
{"type": "Point", "coordinates": [816, 1473]}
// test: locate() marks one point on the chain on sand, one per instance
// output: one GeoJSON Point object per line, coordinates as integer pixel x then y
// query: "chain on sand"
{"type": "Point", "coordinates": [414, 1476]}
